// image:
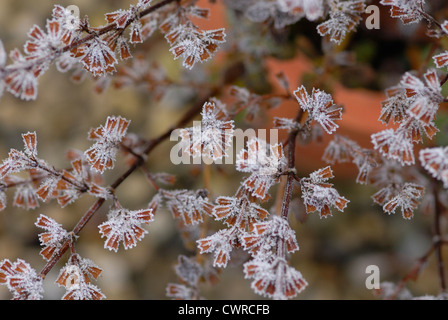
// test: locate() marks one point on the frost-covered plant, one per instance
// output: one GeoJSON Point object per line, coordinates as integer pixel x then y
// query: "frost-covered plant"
{"type": "Point", "coordinates": [344, 18]}
{"type": "Point", "coordinates": [251, 227]}
{"type": "Point", "coordinates": [212, 137]}
{"type": "Point", "coordinates": [22, 280]}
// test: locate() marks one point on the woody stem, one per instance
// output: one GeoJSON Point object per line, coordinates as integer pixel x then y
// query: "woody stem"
{"type": "Point", "coordinates": [287, 194]}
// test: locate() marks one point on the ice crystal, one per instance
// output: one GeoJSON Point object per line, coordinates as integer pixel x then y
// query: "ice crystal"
{"type": "Point", "coordinates": [389, 290]}
{"type": "Point", "coordinates": [238, 210]}
{"type": "Point", "coordinates": [441, 296]}
{"type": "Point", "coordinates": [313, 9]}
{"type": "Point", "coordinates": [441, 60]}
{"type": "Point", "coordinates": [143, 4]}
{"type": "Point", "coordinates": [412, 104]}
{"type": "Point", "coordinates": [395, 106]}
{"type": "Point", "coordinates": [395, 145]}
{"type": "Point", "coordinates": [130, 17]}
{"type": "Point", "coordinates": [59, 188]}
{"type": "Point", "coordinates": [188, 206]}
{"type": "Point", "coordinates": [409, 11]}
{"type": "Point", "coordinates": [76, 277]}
{"type": "Point", "coordinates": [286, 123]}
{"type": "Point", "coordinates": [163, 177]}
{"type": "Point", "coordinates": [135, 33]}
{"type": "Point", "coordinates": [189, 270]}
{"type": "Point", "coordinates": [180, 292]}
{"type": "Point", "coordinates": [52, 239]}
{"type": "Point", "coordinates": [21, 279]}
{"type": "Point", "coordinates": [320, 107]}
{"type": "Point", "coordinates": [97, 57]}
{"type": "Point", "coordinates": [43, 47]}
{"type": "Point", "coordinates": [2, 200]}
{"type": "Point", "coordinates": [124, 226]}
{"type": "Point", "coordinates": [435, 161]}
{"type": "Point", "coordinates": [188, 41]}
{"type": "Point", "coordinates": [342, 149]}
{"type": "Point", "coordinates": [21, 80]}
{"type": "Point", "coordinates": [197, 45]}
{"type": "Point", "coordinates": [395, 191]}
{"type": "Point", "coordinates": [264, 242]}
{"type": "Point", "coordinates": [26, 197]}
{"type": "Point", "coordinates": [19, 161]}
{"type": "Point", "coordinates": [119, 17]}
{"type": "Point", "coordinates": [70, 23]}
{"type": "Point", "coordinates": [279, 13]}
{"type": "Point", "coordinates": [102, 154]}
{"type": "Point", "coordinates": [265, 162]}
{"type": "Point", "coordinates": [427, 95]}
{"type": "Point", "coordinates": [274, 279]}
{"type": "Point", "coordinates": [66, 185]}
{"type": "Point", "coordinates": [213, 137]}
{"type": "Point", "coordinates": [221, 243]}
{"type": "Point", "coordinates": [344, 18]}
{"type": "Point", "coordinates": [405, 196]}
{"type": "Point", "coordinates": [84, 291]}
{"type": "Point", "coordinates": [42, 44]}
{"type": "Point", "coordinates": [318, 195]}
{"type": "Point", "coordinates": [77, 265]}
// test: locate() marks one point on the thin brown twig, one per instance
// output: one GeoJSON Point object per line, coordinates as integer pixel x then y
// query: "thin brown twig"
{"type": "Point", "coordinates": [287, 194]}
{"type": "Point", "coordinates": [414, 272]}
{"type": "Point", "coordinates": [431, 19]}
{"type": "Point", "coordinates": [436, 248]}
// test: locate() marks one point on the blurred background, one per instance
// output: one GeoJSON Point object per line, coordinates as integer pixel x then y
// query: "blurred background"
{"type": "Point", "coordinates": [334, 252]}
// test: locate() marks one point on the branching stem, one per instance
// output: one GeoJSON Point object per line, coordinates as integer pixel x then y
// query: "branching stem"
{"type": "Point", "coordinates": [287, 194]}
{"type": "Point", "coordinates": [230, 75]}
